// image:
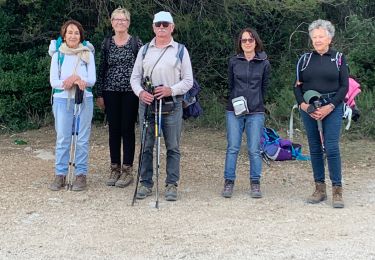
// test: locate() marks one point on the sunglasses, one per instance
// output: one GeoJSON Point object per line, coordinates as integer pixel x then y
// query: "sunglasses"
{"type": "Point", "coordinates": [249, 40]}
{"type": "Point", "coordinates": [165, 24]}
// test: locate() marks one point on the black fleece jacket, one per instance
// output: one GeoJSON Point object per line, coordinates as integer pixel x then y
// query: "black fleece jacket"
{"type": "Point", "coordinates": [322, 75]}
{"type": "Point", "coordinates": [249, 79]}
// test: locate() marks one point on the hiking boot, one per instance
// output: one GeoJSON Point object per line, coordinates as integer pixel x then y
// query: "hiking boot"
{"type": "Point", "coordinates": [171, 192]}
{"type": "Point", "coordinates": [143, 192]}
{"type": "Point", "coordinates": [255, 191]}
{"type": "Point", "coordinates": [58, 183]}
{"type": "Point", "coordinates": [79, 183]}
{"type": "Point", "coordinates": [126, 177]}
{"type": "Point", "coordinates": [114, 175]}
{"type": "Point", "coordinates": [319, 194]}
{"type": "Point", "coordinates": [337, 201]}
{"type": "Point", "coordinates": [228, 189]}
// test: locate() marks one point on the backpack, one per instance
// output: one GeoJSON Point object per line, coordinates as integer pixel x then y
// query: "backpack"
{"type": "Point", "coordinates": [275, 148]}
{"type": "Point", "coordinates": [351, 112]}
{"type": "Point", "coordinates": [190, 103]}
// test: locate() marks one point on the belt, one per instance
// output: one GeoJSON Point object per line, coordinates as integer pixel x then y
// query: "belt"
{"type": "Point", "coordinates": [59, 90]}
{"type": "Point", "coordinates": [328, 95]}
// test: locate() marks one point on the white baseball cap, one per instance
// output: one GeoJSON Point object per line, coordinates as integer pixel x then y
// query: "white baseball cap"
{"type": "Point", "coordinates": [163, 17]}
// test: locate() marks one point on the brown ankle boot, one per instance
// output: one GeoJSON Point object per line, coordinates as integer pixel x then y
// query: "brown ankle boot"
{"type": "Point", "coordinates": [79, 183]}
{"type": "Point", "coordinates": [114, 175]}
{"type": "Point", "coordinates": [319, 194]}
{"type": "Point", "coordinates": [126, 177]}
{"type": "Point", "coordinates": [337, 201]}
{"type": "Point", "coordinates": [58, 183]}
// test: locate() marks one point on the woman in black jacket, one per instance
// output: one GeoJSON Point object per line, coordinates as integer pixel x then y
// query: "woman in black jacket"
{"type": "Point", "coordinates": [248, 76]}
{"type": "Point", "coordinates": [323, 72]}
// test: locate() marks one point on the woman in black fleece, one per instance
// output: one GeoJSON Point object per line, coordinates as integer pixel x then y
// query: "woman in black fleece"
{"type": "Point", "coordinates": [325, 71]}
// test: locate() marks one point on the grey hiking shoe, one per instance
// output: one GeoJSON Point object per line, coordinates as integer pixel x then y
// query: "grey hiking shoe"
{"type": "Point", "coordinates": [114, 175]}
{"type": "Point", "coordinates": [79, 183]}
{"type": "Point", "coordinates": [126, 177]}
{"type": "Point", "coordinates": [255, 191]}
{"type": "Point", "coordinates": [58, 183]}
{"type": "Point", "coordinates": [228, 189]}
{"type": "Point", "coordinates": [143, 192]}
{"type": "Point", "coordinates": [171, 192]}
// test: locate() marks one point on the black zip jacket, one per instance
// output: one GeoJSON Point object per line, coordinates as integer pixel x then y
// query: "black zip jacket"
{"type": "Point", "coordinates": [322, 75]}
{"type": "Point", "coordinates": [249, 79]}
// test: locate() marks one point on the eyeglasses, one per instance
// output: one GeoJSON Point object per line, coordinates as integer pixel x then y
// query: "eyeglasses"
{"type": "Point", "coordinates": [165, 24]}
{"type": "Point", "coordinates": [116, 20]}
{"type": "Point", "coordinates": [249, 40]}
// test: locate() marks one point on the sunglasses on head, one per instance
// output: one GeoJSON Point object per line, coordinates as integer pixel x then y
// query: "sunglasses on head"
{"type": "Point", "coordinates": [165, 24]}
{"type": "Point", "coordinates": [250, 40]}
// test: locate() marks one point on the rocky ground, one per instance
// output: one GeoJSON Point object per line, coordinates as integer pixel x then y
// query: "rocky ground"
{"type": "Point", "coordinates": [100, 223]}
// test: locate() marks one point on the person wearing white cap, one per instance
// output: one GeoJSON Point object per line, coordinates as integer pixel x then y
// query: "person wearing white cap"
{"type": "Point", "coordinates": [171, 72]}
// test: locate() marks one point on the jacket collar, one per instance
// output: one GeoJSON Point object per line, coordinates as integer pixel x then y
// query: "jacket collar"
{"type": "Point", "coordinates": [258, 56]}
{"type": "Point", "coordinates": [330, 52]}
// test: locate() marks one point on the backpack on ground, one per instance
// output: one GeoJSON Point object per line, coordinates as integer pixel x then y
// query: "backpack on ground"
{"type": "Point", "coordinates": [351, 111]}
{"type": "Point", "coordinates": [190, 104]}
{"type": "Point", "coordinates": [275, 148]}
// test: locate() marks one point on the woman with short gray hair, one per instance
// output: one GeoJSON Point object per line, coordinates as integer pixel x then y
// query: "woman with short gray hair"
{"type": "Point", "coordinates": [321, 85]}
{"type": "Point", "coordinates": [324, 24]}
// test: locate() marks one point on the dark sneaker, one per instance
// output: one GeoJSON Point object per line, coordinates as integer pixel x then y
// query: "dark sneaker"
{"type": "Point", "coordinates": [126, 177]}
{"type": "Point", "coordinates": [114, 175]}
{"type": "Point", "coordinates": [228, 189]}
{"type": "Point", "coordinates": [171, 192]}
{"type": "Point", "coordinates": [255, 191]}
{"type": "Point", "coordinates": [143, 192]}
{"type": "Point", "coordinates": [79, 183]}
{"type": "Point", "coordinates": [58, 183]}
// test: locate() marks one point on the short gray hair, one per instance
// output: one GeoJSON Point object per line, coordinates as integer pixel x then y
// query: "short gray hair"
{"type": "Point", "coordinates": [324, 24]}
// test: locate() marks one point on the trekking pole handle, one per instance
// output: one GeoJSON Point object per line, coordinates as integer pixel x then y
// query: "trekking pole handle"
{"type": "Point", "coordinates": [78, 95]}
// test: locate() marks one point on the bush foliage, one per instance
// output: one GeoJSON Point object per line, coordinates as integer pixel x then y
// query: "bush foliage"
{"type": "Point", "coordinates": [208, 28]}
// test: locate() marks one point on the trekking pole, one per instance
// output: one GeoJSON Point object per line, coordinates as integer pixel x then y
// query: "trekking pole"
{"type": "Point", "coordinates": [157, 135]}
{"type": "Point", "coordinates": [145, 126]}
{"type": "Point", "coordinates": [75, 130]}
{"type": "Point", "coordinates": [320, 129]}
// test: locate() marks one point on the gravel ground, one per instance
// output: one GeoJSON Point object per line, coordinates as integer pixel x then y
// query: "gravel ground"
{"type": "Point", "coordinates": [100, 223]}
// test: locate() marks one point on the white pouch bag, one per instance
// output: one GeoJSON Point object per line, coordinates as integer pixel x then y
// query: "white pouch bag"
{"type": "Point", "coordinates": [240, 106]}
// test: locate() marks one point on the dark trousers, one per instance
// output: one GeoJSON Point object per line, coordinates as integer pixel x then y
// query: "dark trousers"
{"type": "Point", "coordinates": [121, 109]}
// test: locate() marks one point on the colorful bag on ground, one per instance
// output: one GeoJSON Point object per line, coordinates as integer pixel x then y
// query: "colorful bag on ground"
{"type": "Point", "coordinates": [276, 148]}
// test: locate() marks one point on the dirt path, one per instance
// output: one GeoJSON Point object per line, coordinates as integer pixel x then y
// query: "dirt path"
{"type": "Point", "coordinates": [99, 223]}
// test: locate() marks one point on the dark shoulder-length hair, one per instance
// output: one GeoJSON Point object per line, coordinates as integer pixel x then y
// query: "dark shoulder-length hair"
{"type": "Point", "coordinates": [76, 23]}
{"type": "Point", "coordinates": [254, 34]}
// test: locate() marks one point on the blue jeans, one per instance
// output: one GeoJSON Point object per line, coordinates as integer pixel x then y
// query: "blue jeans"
{"type": "Point", "coordinates": [63, 126]}
{"type": "Point", "coordinates": [253, 125]}
{"type": "Point", "coordinates": [171, 129]}
{"type": "Point", "coordinates": [331, 132]}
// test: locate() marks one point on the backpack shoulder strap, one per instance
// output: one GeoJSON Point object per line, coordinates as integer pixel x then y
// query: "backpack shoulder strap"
{"type": "Point", "coordinates": [303, 62]}
{"type": "Point", "coordinates": [180, 53]}
{"type": "Point", "coordinates": [338, 60]}
{"type": "Point", "coordinates": [107, 43]}
{"type": "Point", "coordinates": [145, 49]}
{"type": "Point", "coordinates": [134, 45]}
